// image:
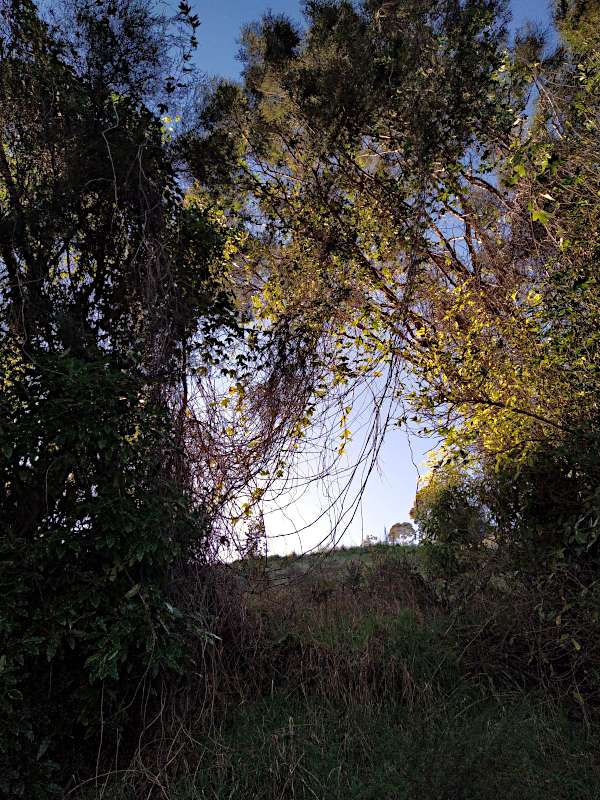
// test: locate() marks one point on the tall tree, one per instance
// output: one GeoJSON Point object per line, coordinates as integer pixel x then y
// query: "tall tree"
{"type": "Point", "coordinates": [107, 273]}
{"type": "Point", "coordinates": [403, 206]}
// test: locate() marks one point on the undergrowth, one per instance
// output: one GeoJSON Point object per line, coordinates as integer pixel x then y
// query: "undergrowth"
{"type": "Point", "coordinates": [358, 683]}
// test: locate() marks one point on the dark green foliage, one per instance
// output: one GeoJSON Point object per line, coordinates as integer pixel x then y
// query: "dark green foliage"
{"type": "Point", "coordinates": [90, 532]}
{"type": "Point", "coordinates": [105, 277]}
{"type": "Point", "coordinates": [372, 96]}
{"type": "Point", "coordinates": [548, 506]}
{"type": "Point", "coordinates": [449, 510]}
{"type": "Point", "coordinates": [364, 67]}
{"type": "Point", "coordinates": [540, 551]}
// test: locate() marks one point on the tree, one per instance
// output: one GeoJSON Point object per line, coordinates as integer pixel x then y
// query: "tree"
{"type": "Point", "coordinates": [106, 276]}
{"type": "Point", "coordinates": [403, 217]}
{"type": "Point", "coordinates": [449, 509]}
{"type": "Point", "coordinates": [401, 532]}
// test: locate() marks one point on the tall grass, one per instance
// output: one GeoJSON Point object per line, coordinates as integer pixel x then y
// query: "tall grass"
{"type": "Point", "coordinates": [352, 683]}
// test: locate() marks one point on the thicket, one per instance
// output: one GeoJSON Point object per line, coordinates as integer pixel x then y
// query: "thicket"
{"type": "Point", "coordinates": [106, 271]}
{"type": "Point", "coordinates": [351, 679]}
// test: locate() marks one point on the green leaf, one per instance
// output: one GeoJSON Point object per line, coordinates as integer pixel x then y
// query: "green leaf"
{"type": "Point", "coordinates": [540, 216]}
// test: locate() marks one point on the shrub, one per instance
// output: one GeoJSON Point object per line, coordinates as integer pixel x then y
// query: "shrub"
{"type": "Point", "coordinates": [90, 531]}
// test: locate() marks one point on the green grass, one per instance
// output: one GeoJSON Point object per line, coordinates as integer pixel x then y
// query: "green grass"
{"type": "Point", "coordinates": [465, 748]}
{"type": "Point", "coordinates": [358, 691]}
{"type": "Point", "coordinates": [327, 561]}
{"type": "Point", "coordinates": [462, 747]}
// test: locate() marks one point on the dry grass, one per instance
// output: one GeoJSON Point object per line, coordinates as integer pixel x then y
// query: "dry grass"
{"type": "Point", "coordinates": [353, 683]}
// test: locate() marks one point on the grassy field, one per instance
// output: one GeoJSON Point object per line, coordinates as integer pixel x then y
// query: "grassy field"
{"type": "Point", "coordinates": [344, 679]}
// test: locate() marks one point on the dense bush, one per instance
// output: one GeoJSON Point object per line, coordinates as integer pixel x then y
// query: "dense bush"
{"type": "Point", "coordinates": [532, 582]}
{"type": "Point", "coordinates": [335, 167]}
{"type": "Point", "coordinates": [363, 691]}
{"type": "Point", "coordinates": [90, 532]}
{"type": "Point", "coordinates": [104, 275]}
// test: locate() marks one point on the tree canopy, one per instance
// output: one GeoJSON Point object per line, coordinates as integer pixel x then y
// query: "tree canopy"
{"type": "Point", "coordinates": [406, 210]}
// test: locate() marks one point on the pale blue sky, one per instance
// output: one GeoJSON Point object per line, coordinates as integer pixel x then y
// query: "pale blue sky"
{"type": "Point", "coordinates": [222, 20]}
{"type": "Point", "coordinates": [390, 491]}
